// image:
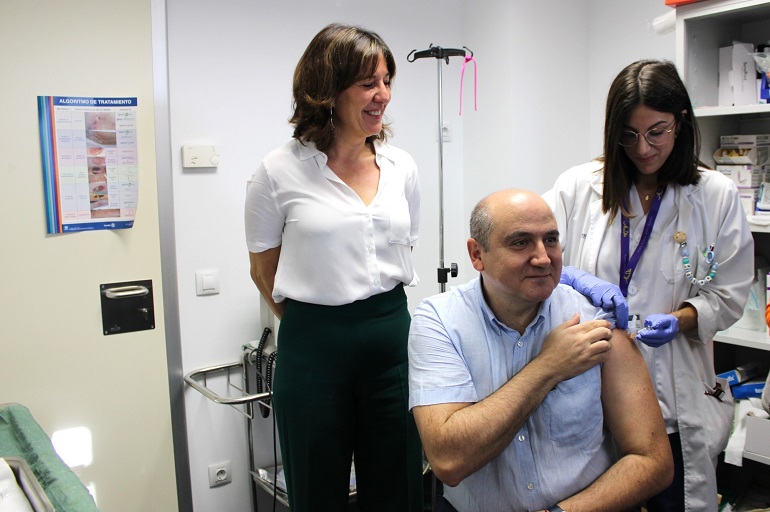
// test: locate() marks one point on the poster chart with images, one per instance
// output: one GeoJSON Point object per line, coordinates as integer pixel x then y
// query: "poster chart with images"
{"type": "Point", "coordinates": [90, 162]}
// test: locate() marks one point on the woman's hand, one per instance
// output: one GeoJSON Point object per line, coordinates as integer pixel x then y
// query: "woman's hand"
{"type": "Point", "coordinates": [658, 330]}
{"type": "Point", "coordinates": [601, 293]}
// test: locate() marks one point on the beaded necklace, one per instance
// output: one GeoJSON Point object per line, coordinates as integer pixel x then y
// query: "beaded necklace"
{"type": "Point", "coordinates": [681, 238]}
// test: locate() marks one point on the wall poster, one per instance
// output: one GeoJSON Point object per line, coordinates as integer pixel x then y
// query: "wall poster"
{"type": "Point", "coordinates": [90, 162]}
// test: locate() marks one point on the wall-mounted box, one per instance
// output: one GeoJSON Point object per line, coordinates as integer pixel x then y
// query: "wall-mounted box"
{"type": "Point", "coordinates": [201, 155]}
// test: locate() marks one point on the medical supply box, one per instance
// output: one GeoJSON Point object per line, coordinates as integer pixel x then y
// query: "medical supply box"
{"type": "Point", "coordinates": [740, 374]}
{"type": "Point", "coordinates": [762, 206]}
{"type": "Point", "coordinates": [752, 388]}
{"type": "Point", "coordinates": [737, 83]}
{"type": "Point", "coordinates": [744, 175]}
{"type": "Point", "coordinates": [743, 149]}
{"type": "Point", "coordinates": [757, 435]}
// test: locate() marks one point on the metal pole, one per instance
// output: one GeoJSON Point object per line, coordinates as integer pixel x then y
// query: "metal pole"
{"type": "Point", "coordinates": [441, 285]}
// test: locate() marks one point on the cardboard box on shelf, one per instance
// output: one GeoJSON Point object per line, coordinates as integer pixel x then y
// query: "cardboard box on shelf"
{"type": "Point", "coordinates": [743, 150]}
{"type": "Point", "coordinates": [744, 74]}
{"type": "Point", "coordinates": [757, 435]}
{"type": "Point", "coordinates": [739, 141]}
{"type": "Point", "coordinates": [752, 388]}
{"type": "Point", "coordinates": [737, 80]}
{"type": "Point", "coordinates": [748, 198]}
{"type": "Point", "coordinates": [744, 176]}
{"type": "Point", "coordinates": [741, 374]}
{"type": "Point", "coordinates": [762, 206]}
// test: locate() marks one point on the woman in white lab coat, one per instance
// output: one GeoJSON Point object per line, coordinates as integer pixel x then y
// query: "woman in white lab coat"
{"type": "Point", "coordinates": [675, 238]}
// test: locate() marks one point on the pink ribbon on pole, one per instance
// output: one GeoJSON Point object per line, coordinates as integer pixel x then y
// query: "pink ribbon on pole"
{"type": "Point", "coordinates": [475, 82]}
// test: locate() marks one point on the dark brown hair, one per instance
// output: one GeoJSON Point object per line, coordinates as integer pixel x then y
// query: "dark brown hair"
{"type": "Point", "coordinates": [337, 57]}
{"type": "Point", "coordinates": [655, 84]}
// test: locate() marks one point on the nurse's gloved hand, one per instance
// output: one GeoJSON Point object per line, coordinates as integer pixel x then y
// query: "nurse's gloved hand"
{"type": "Point", "coordinates": [601, 293]}
{"type": "Point", "coordinates": [658, 330]}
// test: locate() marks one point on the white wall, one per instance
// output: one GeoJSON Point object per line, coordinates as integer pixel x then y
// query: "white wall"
{"type": "Point", "coordinates": [619, 32]}
{"type": "Point", "coordinates": [543, 68]}
{"type": "Point", "coordinates": [532, 113]}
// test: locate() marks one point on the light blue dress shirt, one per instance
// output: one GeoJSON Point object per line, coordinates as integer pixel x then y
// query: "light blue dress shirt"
{"type": "Point", "coordinates": [459, 352]}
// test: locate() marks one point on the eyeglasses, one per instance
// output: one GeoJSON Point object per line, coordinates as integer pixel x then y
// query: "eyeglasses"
{"type": "Point", "coordinates": [655, 137]}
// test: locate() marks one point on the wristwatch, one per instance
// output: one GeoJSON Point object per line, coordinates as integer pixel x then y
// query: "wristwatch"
{"type": "Point", "coordinates": [556, 508]}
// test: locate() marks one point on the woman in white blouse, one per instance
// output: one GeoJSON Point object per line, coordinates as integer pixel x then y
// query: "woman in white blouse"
{"type": "Point", "coordinates": [331, 218]}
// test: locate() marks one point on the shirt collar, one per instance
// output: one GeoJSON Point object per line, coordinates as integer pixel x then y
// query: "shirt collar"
{"type": "Point", "coordinates": [596, 178]}
{"type": "Point", "coordinates": [308, 150]}
{"type": "Point", "coordinates": [497, 326]}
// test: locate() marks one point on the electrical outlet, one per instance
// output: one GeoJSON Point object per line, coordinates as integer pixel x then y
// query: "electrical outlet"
{"type": "Point", "coordinates": [219, 474]}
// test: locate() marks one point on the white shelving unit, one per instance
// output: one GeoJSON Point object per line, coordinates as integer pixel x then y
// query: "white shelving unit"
{"type": "Point", "coordinates": [701, 29]}
{"type": "Point", "coordinates": [702, 112]}
{"type": "Point", "coordinates": [759, 228]}
{"type": "Point", "coordinates": [744, 338]}
{"type": "Point", "coordinates": [704, 27]}
{"type": "Point", "coordinates": [757, 457]}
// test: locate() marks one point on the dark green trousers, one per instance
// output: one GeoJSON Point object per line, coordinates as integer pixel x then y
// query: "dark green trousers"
{"type": "Point", "coordinates": [341, 392]}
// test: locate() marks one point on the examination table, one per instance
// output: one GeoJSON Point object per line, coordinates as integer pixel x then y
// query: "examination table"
{"type": "Point", "coordinates": [21, 437]}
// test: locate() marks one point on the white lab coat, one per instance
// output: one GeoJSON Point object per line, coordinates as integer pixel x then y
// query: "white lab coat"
{"type": "Point", "coordinates": [709, 211]}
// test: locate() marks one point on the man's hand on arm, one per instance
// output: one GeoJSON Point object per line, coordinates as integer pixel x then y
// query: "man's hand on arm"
{"type": "Point", "coordinates": [574, 347]}
{"type": "Point", "coordinates": [460, 438]}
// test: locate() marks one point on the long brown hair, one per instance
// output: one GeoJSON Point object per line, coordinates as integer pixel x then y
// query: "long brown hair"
{"type": "Point", "coordinates": [655, 84]}
{"type": "Point", "coordinates": [337, 57]}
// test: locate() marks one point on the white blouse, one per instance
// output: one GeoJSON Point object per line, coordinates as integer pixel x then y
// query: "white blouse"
{"type": "Point", "coordinates": [334, 248]}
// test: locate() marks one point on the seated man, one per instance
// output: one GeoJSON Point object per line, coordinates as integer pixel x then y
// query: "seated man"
{"type": "Point", "coordinates": [524, 396]}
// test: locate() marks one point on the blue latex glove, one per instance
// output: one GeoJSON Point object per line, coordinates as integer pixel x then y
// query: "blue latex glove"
{"type": "Point", "coordinates": [658, 330]}
{"type": "Point", "coordinates": [601, 293]}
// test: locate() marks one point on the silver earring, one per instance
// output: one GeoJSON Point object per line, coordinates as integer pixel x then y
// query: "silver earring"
{"type": "Point", "coordinates": [331, 116]}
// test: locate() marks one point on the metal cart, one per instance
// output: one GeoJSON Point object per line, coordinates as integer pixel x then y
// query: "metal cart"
{"type": "Point", "coordinates": [244, 381]}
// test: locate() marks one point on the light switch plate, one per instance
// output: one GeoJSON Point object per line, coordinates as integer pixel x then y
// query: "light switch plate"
{"type": "Point", "coordinates": [207, 282]}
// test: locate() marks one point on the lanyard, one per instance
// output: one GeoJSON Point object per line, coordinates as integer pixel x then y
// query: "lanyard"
{"type": "Point", "coordinates": [462, 74]}
{"type": "Point", "coordinates": [627, 266]}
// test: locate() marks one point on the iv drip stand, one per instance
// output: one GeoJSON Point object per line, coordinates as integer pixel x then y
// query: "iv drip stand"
{"type": "Point", "coordinates": [440, 53]}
